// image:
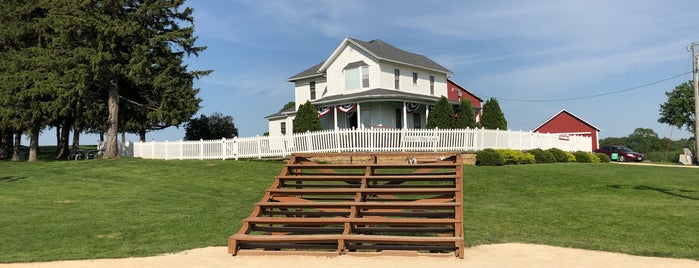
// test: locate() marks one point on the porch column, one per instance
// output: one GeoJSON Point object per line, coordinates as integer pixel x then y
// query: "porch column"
{"type": "Point", "coordinates": [335, 115]}
{"type": "Point", "coordinates": [359, 116]}
{"type": "Point", "coordinates": [405, 115]}
{"type": "Point", "coordinates": [427, 113]}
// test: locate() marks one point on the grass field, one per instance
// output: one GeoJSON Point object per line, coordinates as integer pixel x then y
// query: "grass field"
{"type": "Point", "coordinates": [131, 207]}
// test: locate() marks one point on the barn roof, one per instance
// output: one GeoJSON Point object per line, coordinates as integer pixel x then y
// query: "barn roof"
{"type": "Point", "coordinates": [567, 112]}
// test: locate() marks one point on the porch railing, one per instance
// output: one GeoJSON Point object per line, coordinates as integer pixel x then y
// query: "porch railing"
{"type": "Point", "coordinates": [362, 140]}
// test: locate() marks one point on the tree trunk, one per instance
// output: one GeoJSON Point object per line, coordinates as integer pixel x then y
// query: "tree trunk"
{"type": "Point", "coordinates": [63, 151]}
{"type": "Point", "coordinates": [112, 146]}
{"type": "Point", "coordinates": [58, 140]}
{"type": "Point", "coordinates": [34, 145]}
{"type": "Point", "coordinates": [77, 128]}
{"type": "Point", "coordinates": [76, 137]}
{"type": "Point", "coordinates": [142, 135]}
{"type": "Point", "coordinates": [15, 146]}
{"type": "Point", "coordinates": [5, 144]}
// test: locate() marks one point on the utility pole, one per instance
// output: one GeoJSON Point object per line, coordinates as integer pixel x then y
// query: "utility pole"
{"type": "Point", "coordinates": [695, 68]}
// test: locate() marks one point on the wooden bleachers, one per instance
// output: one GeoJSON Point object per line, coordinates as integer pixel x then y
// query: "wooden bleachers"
{"type": "Point", "coordinates": [359, 203]}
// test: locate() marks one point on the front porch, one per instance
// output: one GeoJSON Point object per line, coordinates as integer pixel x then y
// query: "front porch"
{"type": "Point", "coordinates": [373, 114]}
{"type": "Point", "coordinates": [376, 108]}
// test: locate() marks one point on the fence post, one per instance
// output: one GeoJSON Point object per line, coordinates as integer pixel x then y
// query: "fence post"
{"type": "Point", "coordinates": [235, 148]}
{"type": "Point", "coordinates": [166, 150]}
{"type": "Point", "coordinates": [309, 143]}
{"type": "Point", "coordinates": [434, 141]}
{"type": "Point", "coordinates": [337, 141]}
{"type": "Point", "coordinates": [223, 148]}
{"type": "Point", "coordinates": [259, 146]}
{"type": "Point", "coordinates": [283, 141]}
{"type": "Point", "coordinates": [152, 150]}
{"type": "Point", "coordinates": [201, 149]}
{"type": "Point", "coordinates": [181, 149]}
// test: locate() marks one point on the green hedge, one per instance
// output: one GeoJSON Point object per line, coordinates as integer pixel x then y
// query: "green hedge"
{"type": "Point", "coordinates": [489, 157]}
{"type": "Point", "coordinates": [542, 156]}
{"type": "Point", "coordinates": [514, 157]}
{"type": "Point", "coordinates": [559, 155]}
{"type": "Point", "coordinates": [603, 158]}
{"type": "Point", "coordinates": [582, 157]}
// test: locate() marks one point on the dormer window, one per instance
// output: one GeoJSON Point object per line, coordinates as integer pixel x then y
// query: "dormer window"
{"type": "Point", "coordinates": [356, 74]}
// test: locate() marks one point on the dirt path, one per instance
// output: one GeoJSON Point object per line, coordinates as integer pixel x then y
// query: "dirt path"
{"type": "Point", "coordinates": [501, 255]}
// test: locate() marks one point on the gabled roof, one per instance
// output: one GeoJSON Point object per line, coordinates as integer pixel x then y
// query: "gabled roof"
{"type": "Point", "coordinates": [310, 72]}
{"type": "Point", "coordinates": [571, 114]}
{"type": "Point", "coordinates": [465, 90]}
{"type": "Point", "coordinates": [283, 113]}
{"type": "Point", "coordinates": [380, 50]}
{"type": "Point", "coordinates": [384, 51]}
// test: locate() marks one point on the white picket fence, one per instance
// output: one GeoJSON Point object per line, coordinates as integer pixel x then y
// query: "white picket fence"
{"type": "Point", "coordinates": [362, 140]}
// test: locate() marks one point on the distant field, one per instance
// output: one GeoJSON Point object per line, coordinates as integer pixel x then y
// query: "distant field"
{"type": "Point", "coordinates": [131, 207]}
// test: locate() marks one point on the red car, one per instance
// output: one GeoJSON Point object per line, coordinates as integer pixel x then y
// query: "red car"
{"type": "Point", "coordinates": [620, 153]}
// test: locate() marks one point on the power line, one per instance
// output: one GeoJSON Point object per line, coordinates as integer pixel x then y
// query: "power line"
{"type": "Point", "coordinates": [597, 95]}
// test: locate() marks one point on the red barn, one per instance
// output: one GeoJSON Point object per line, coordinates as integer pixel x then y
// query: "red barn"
{"type": "Point", "coordinates": [568, 123]}
{"type": "Point", "coordinates": [456, 93]}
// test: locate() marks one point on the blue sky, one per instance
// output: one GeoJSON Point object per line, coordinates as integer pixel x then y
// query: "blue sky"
{"type": "Point", "coordinates": [511, 50]}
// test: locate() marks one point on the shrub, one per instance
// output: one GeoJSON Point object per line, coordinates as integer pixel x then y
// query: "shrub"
{"type": "Point", "coordinates": [603, 158]}
{"type": "Point", "coordinates": [542, 156]}
{"type": "Point", "coordinates": [571, 157]}
{"type": "Point", "coordinates": [559, 155]}
{"type": "Point", "coordinates": [489, 157]}
{"type": "Point", "coordinates": [662, 156]}
{"type": "Point", "coordinates": [514, 157]}
{"type": "Point", "coordinates": [582, 157]}
{"type": "Point", "coordinates": [593, 158]}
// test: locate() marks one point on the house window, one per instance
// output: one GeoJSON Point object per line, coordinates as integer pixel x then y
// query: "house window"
{"type": "Point", "coordinates": [351, 78]}
{"type": "Point", "coordinates": [313, 90]}
{"type": "Point", "coordinates": [417, 121]}
{"type": "Point", "coordinates": [399, 118]}
{"type": "Point", "coordinates": [432, 85]}
{"type": "Point", "coordinates": [396, 77]}
{"type": "Point", "coordinates": [283, 128]}
{"type": "Point", "coordinates": [365, 76]}
{"type": "Point", "coordinates": [414, 78]}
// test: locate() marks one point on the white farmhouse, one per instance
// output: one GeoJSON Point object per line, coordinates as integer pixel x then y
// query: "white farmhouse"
{"type": "Point", "coordinates": [367, 85]}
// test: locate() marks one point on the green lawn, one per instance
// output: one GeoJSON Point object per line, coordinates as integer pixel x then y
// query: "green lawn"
{"type": "Point", "coordinates": [133, 207]}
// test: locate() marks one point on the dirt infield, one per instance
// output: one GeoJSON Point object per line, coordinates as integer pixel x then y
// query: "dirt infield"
{"type": "Point", "coordinates": [500, 255]}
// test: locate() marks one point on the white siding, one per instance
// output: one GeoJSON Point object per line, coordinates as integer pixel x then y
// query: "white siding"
{"type": "Point", "coordinates": [275, 129]}
{"type": "Point", "coordinates": [303, 90]}
{"type": "Point", "coordinates": [406, 79]}
{"type": "Point", "coordinates": [335, 74]}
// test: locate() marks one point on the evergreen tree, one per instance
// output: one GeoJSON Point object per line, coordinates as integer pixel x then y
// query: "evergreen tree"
{"type": "Point", "coordinates": [307, 118]}
{"type": "Point", "coordinates": [69, 63]}
{"type": "Point", "coordinates": [465, 118]}
{"type": "Point", "coordinates": [442, 116]}
{"type": "Point", "coordinates": [493, 118]}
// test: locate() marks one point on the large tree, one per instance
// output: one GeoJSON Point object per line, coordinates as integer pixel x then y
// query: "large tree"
{"type": "Point", "coordinates": [214, 126]}
{"type": "Point", "coordinates": [442, 116]}
{"type": "Point", "coordinates": [645, 140]}
{"type": "Point", "coordinates": [69, 63]}
{"type": "Point", "coordinates": [142, 45]}
{"type": "Point", "coordinates": [493, 117]}
{"type": "Point", "coordinates": [678, 110]}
